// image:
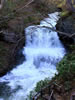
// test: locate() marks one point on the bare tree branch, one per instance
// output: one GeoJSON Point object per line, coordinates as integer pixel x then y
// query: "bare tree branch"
{"type": "Point", "coordinates": [62, 33]}
{"type": "Point", "coordinates": [51, 95]}
{"type": "Point", "coordinates": [7, 17]}
{"type": "Point", "coordinates": [25, 5]}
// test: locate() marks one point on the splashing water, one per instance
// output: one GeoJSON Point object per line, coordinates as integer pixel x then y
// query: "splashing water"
{"type": "Point", "coordinates": [42, 51]}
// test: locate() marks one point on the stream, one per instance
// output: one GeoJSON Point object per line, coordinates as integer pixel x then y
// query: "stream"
{"type": "Point", "coordinates": [43, 50]}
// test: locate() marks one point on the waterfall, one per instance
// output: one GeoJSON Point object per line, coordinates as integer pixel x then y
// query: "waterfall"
{"type": "Point", "coordinates": [43, 50]}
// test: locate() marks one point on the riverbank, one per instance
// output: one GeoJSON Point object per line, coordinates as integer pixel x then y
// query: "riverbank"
{"type": "Point", "coordinates": [62, 85]}
{"type": "Point", "coordinates": [12, 30]}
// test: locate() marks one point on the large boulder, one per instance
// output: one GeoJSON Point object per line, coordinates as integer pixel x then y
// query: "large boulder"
{"type": "Point", "coordinates": [67, 25]}
{"type": "Point", "coordinates": [8, 36]}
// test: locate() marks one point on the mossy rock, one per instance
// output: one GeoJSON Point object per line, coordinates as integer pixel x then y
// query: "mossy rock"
{"type": "Point", "coordinates": [64, 13]}
{"type": "Point", "coordinates": [66, 67]}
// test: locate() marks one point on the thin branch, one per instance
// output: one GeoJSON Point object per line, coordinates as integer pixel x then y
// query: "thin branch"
{"type": "Point", "coordinates": [63, 33]}
{"type": "Point", "coordinates": [1, 32]}
{"type": "Point", "coordinates": [25, 5]}
{"type": "Point", "coordinates": [72, 35]}
{"type": "Point", "coordinates": [5, 18]}
{"type": "Point", "coordinates": [48, 23]}
{"type": "Point", "coordinates": [51, 95]}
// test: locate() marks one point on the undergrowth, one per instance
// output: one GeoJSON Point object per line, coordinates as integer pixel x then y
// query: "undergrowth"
{"type": "Point", "coordinates": [66, 67]}
{"type": "Point", "coordinates": [66, 74]}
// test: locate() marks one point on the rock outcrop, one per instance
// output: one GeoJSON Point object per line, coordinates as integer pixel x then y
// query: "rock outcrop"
{"type": "Point", "coordinates": [67, 25]}
{"type": "Point", "coordinates": [12, 27]}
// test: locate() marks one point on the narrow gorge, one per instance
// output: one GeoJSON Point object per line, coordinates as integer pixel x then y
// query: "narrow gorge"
{"type": "Point", "coordinates": [43, 50]}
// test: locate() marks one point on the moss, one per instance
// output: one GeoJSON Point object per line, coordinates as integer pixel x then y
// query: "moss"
{"type": "Point", "coordinates": [41, 84]}
{"type": "Point", "coordinates": [64, 13]}
{"type": "Point", "coordinates": [66, 67]}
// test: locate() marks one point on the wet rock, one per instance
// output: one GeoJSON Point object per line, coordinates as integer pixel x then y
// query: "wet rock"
{"type": "Point", "coordinates": [10, 51]}
{"type": "Point", "coordinates": [67, 25]}
{"type": "Point", "coordinates": [8, 36]}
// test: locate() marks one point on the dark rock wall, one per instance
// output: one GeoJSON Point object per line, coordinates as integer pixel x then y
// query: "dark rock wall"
{"type": "Point", "coordinates": [67, 25]}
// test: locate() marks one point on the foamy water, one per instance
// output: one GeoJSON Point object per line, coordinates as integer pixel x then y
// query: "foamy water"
{"type": "Point", "coordinates": [43, 51]}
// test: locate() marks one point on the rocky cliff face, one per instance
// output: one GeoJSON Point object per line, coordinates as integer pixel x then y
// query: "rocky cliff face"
{"type": "Point", "coordinates": [67, 25]}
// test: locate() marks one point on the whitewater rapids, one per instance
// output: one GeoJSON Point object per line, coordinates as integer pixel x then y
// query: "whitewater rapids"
{"type": "Point", "coordinates": [43, 50]}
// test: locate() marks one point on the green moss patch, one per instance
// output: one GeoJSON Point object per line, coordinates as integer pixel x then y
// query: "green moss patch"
{"type": "Point", "coordinates": [66, 67]}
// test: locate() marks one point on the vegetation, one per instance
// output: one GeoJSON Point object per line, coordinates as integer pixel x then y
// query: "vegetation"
{"type": "Point", "coordinates": [67, 6]}
{"type": "Point", "coordinates": [66, 70]}
{"type": "Point", "coordinates": [66, 67]}
{"type": "Point", "coordinates": [65, 76]}
{"type": "Point", "coordinates": [10, 6]}
{"type": "Point", "coordinates": [40, 85]}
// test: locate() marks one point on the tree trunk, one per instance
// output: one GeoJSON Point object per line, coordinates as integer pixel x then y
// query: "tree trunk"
{"type": "Point", "coordinates": [1, 3]}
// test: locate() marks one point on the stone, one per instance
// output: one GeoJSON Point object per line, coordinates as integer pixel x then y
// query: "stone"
{"type": "Point", "coordinates": [67, 25]}
{"type": "Point", "coordinates": [8, 36]}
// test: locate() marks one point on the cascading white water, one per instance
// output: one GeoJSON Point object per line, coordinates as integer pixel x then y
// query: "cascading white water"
{"type": "Point", "coordinates": [42, 51]}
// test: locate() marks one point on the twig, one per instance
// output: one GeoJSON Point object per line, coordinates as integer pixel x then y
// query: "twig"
{"type": "Point", "coordinates": [51, 95]}
{"type": "Point", "coordinates": [48, 23]}
{"type": "Point", "coordinates": [12, 13]}
{"type": "Point", "coordinates": [1, 31]}
{"type": "Point", "coordinates": [39, 93]}
{"type": "Point", "coordinates": [57, 85]}
{"type": "Point", "coordinates": [72, 35]}
{"type": "Point", "coordinates": [25, 5]}
{"type": "Point", "coordinates": [63, 33]}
